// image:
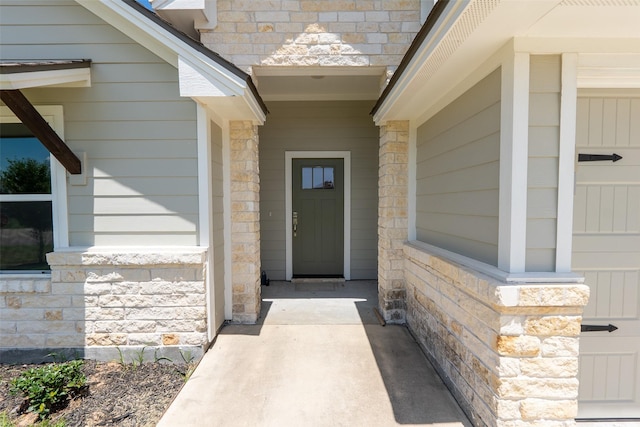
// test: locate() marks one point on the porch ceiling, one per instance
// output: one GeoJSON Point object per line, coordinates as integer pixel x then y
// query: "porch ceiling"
{"type": "Point", "coordinates": [319, 84]}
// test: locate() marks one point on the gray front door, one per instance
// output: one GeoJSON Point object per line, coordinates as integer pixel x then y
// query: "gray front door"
{"type": "Point", "coordinates": [318, 217]}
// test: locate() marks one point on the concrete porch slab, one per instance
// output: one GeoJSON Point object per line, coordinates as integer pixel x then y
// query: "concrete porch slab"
{"type": "Point", "coordinates": [315, 372]}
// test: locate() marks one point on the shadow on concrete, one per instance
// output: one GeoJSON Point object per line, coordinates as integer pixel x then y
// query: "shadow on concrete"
{"type": "Point", "coordinates": [416, 392]}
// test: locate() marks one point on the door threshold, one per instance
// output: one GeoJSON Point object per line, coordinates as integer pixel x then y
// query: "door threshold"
{"type": "Point", "coordinates": [299, 280]}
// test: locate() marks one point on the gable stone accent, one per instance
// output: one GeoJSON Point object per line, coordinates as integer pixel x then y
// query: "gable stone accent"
{"type": "Point", "coordinates": [320, 33]}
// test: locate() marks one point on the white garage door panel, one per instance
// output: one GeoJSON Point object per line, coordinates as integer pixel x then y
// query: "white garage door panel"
{"type": "Point", "coordinates": [602, 208]}
{"type": "Point", "coordinates": [602, 174]}
{"type": "Point", "coordinates": [623, 260]}
{"type": "Point", "coordinates": [606, 250]}
{"type": "Point", "coordinates": [605, 370]}
{"type": "Point", "coordinates": [604, 391]}
{"type": "Point", "coordinates": [610, 242]}
{"type": "Point", "coordinates": [614, 295]}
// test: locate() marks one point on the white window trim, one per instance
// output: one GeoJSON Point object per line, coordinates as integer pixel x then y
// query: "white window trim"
{"type": "Point", "coordinates": [289, 156]}
{"type": "Point", "coordinates": [53, 114]}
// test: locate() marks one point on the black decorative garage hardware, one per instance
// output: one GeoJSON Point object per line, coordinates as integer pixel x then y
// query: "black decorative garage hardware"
{"type": "Point", "coordinates": [598, 157]}
{"type": "Point", "coordinates": [598, 328]}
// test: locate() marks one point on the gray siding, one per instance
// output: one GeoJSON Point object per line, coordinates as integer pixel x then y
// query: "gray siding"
{"type": "Point", "coordinates": [320, 126]}
{"type": "Point", "coordinates": [139, 134]}
{"type": "Point", "coordinates": [544, 143]}
{"type": "Point", "coordinates": [457, 174]}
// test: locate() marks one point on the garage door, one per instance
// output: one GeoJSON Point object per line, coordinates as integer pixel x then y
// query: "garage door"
{"type": "Point", "coordinates": [606, 245]}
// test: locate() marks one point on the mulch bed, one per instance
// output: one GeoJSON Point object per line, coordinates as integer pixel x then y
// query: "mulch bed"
{"type": "Point", "coordinates": [117, 395]}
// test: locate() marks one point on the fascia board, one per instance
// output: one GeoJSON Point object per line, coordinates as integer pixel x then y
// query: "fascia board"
{"type": "Point", "coordinates": [230, 108]}
{"type": "Point", "coordinates": [254, 106]}
{"type": "Point", "coordinates": [203, 86]}
{"type": "Point", "coordinates": [452, 12]}
{"type": "Point", "coordinates": [196, 81]}
{"type": "Point", "coordinates": [77, 77]}
{"type": "Point", "coordinates": [158, 40]}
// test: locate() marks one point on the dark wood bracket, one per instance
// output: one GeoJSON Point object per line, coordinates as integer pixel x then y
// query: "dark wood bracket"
{"type": "Point", "coordinates": [31, 118]}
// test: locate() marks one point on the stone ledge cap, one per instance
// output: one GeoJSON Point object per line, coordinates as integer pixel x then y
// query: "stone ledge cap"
{"type": "Point", "coordinates": [495, 289]}
{"type": "Point", "coordinates": [133, 256]}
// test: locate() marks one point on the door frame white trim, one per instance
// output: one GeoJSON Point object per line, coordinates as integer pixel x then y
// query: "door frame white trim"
{"type": "Point", "coordinates": [289, 156]}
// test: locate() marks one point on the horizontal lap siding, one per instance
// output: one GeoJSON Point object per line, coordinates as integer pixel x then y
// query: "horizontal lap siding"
{"type": "Point", "coordinates": [457, 174]}
{"type": "Point", "coordinates": [320, 126]}
{"type": "Point", "coordinates": [138, 133]}
{"type": "Point", "coordinates": [544, 143]}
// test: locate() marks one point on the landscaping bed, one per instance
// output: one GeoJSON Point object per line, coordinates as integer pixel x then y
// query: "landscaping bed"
{"type": "Point", "coordinates": [115, 394]}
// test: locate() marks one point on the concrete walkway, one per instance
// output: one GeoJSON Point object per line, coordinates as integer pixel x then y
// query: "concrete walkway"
{"type": "Point", "coordinates": [319, 357]}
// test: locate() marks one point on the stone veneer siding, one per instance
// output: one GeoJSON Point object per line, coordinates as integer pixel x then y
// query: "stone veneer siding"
{"type": "Point", "coordinates": [392, 218]}
{"type": "Point", "coordinates": [320, 33]}
{"type": "Point", "coordinates": [245, 221]}
{"type": "Point", "coordinates": [96, 303]}
{"type": "Point", "coordinates": [508, 351]}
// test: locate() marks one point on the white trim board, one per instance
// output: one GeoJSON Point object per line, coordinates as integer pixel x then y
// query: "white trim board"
{"type": "Point", "coordinates": [53, 114]}
{"type": "Point", "coordinates": [289, 156]}
{"type": "Point", "coordinates": [226, 208]}
{"type": "Point", "coordinates": [514, 158]}
{"type": "Point", "coordinates": [566, 163]}
{"type": "Point", "coordinates": [494, 272]}
{"type": "Point", "coordinates": [205, 218]}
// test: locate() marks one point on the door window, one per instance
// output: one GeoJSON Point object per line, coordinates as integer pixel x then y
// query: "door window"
{"type": "Point", "coordinates": [318, 178]}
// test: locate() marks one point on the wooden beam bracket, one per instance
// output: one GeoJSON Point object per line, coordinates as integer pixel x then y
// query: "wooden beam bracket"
{"type": "Point", "coordinates": [31, 118]}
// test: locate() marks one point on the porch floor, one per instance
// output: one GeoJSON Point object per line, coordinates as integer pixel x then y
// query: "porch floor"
{"type": "Point", "coordinates": [317, 357]}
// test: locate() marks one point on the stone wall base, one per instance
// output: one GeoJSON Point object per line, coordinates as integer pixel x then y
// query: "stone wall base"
{"type": "Point", "coordinates": [509, 352]}
{"type": "Point", "coordinates": [100, 301]}
{"type": "Point", "coordinates": [128, 354]}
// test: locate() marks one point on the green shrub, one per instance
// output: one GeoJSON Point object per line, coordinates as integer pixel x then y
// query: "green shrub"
{"type": "Point", "coordinates": [4, 420]}
{"type": "Point", "coordinates": [48, 387]}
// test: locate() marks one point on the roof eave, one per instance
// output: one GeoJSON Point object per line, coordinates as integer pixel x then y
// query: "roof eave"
{"type": "Point", "coordinates": [175, 47]}
{"type": "Point", "coordinates": [49, 73]}
{"type": "Point", "coordinates": [418, 43]}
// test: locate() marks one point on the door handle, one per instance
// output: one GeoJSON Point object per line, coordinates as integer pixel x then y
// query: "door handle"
{"type": "Point", "coordinates": [295, 224]}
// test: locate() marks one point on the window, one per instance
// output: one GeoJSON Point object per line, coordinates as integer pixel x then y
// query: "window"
{"type": "Point", "coordinates": [317, 178]}
{"type": "Point", "coordinates": [28, 177]}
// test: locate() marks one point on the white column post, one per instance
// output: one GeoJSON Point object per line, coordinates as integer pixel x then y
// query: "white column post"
{"type": "Point", "coordinates": [514, 153]}
{"type": "Point", "coordinates": [566, 161]}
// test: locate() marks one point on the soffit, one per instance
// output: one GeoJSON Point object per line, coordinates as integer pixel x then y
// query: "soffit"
{"type": "Point", "coordinates": [45, 73]}
{"type": "Point", "coordinates": [589, 18]}
{"type": "Point", "coordinates": [319, 88]}
{"type": "Point", "coordinates": [468, 34]}
{"type": "Point", "coordinates": [319, 83]}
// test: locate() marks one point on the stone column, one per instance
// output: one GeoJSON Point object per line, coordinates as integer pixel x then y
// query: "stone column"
{"type": "Point", "coordinates": [392, 218]}
{"type": "Point", "coordinates": [509, 352]}
{"type": "Point", "coordinates": [245, 221]}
